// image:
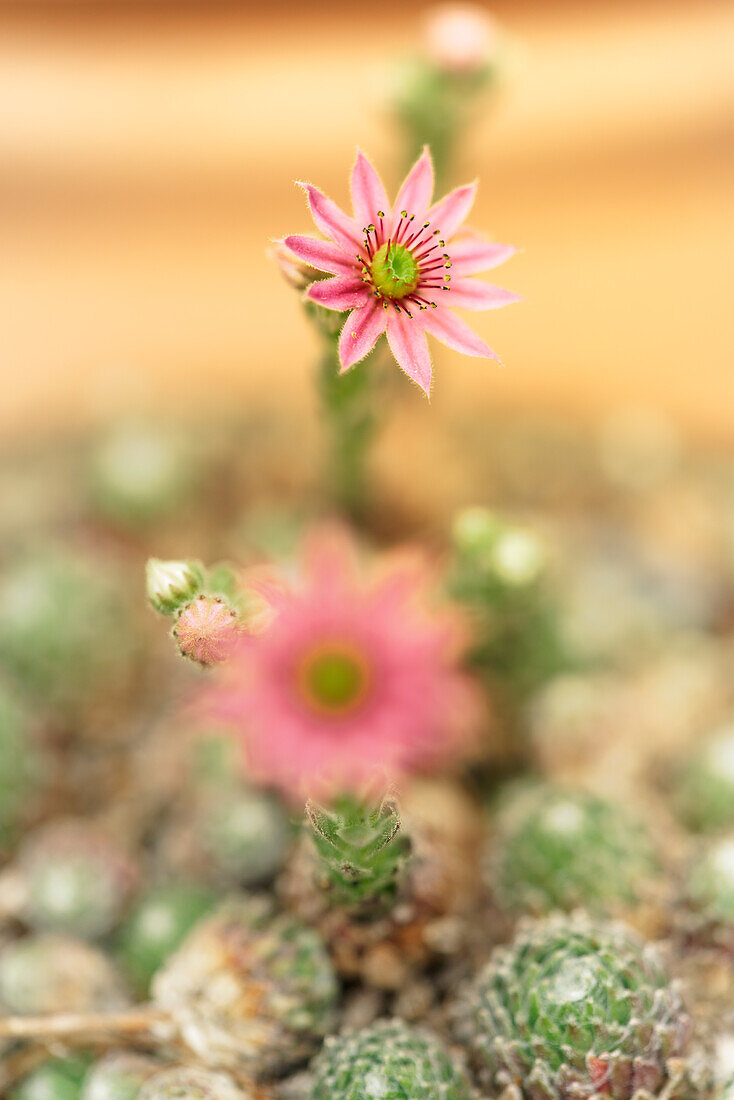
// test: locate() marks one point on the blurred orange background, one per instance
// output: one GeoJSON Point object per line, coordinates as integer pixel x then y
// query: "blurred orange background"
{"type": "Point", "coordinates": [148, 154]}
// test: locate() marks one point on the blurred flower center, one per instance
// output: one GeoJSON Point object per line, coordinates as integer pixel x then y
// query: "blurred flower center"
{"type": "Point", "coordinates": [394, 270]}
{"type": "Point", "coordinates": [333, 679]}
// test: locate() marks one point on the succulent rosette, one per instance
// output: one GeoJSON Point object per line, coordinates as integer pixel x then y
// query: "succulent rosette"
{"type": "Point", "coordinates": [389, 1060]}
{"type": "Point", "coordinates": [248, 989]}
{"type": "Point", "coordinates": [574, 1008]}
{"type": "Point", "coordinates": [561, 848]}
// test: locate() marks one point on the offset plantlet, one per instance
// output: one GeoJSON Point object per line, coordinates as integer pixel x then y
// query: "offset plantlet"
{"type": "Point", "coordinates": [703, 788]}
{"type": "Point", "coordinates": [708, 917]}
{"type": "Point", "coordinates": [389, 1061]}
{"type": "Point", "coordinates": [118, 1076]}
{"type": "Point", "coordinates": [74, 879]}
{"type": "Point", "coordinates": [560, 849]}
{"type": "Point", "coordinates": [192, 1083]}
{"type": "Point", "coordinates": [156, 926]}
{"type": "Point", "coordinates": [361, 850]}
{"type": "Point", "coordinates": [67, 635]}
{"type": "Point", "coordinates": [500, 575]}
{"type": "Point", "coordinates": [573, 1008]}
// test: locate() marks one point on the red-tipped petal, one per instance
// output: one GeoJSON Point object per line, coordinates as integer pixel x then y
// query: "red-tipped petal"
{"type": "Point", "coordinates": [409, 346]}
{"type": "Point", "coordinates": [368, 194]}
{"type": "Point", "coordinates": [341, 293]}
{"type": "Point", "coordinates": [322, 255]}
{"type": "Point", "coordinates": [455, 333]}
{"type": "Point", "coordinates": [448, 214]}
{"type": "Point", "coordinates": [470, 255]}
{"type": "Point", "coordinates": [417, 190]}
{"type": "Point", "coordinates": [473, 294]}
{"type": "Point", "coordinates": [332, 220]}
{"type": "Point", "coordinates": [361, 331]}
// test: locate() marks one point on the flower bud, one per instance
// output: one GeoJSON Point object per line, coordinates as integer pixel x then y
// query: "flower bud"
{"type": "Point", "coordinates": [460, 38]}
{"type": "Point", "coordinates": [171, 584]}
{"type": "Point", "coordinates": [206, 630]}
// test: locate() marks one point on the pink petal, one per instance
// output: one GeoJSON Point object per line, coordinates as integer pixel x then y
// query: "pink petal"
{"type": "Point", "coordinates": [368, 194]}
{"type": "Point", "coordinates": [473, 294]}
{"type": "Point", "coordinates": [455, 333]}
{"type": "Point", "coordinates": [321, 254]}
{"type": "Point", "coordinates": [360, 333]}
{"type": "Point", "coordinates": [415, 194]}
{"type": "Point", "coordinates": [408, 344]}
{"type": "Point", "coordinates": [342, 292]}
{"type": "Point", "coordinates": [332, 221]}
{"type": "Point", "coordinates": [448, 214]}
{"type": "Point", "coordinates": [470, 255]}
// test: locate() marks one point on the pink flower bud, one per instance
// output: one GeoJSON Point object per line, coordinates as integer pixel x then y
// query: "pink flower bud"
{"type": "Point", "coordinates": [460, 38]}
{"type": "Point", "coordinates": [206, 630]}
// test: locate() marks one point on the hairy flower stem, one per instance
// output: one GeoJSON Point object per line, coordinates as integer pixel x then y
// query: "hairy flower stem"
{"type": "Point", "coordinates": [350, 413]}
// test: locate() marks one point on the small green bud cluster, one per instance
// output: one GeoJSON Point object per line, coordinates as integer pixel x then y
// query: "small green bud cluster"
{"type": "Point", "coordinates": [361, 850]}
{"type": "Point", "coordinates": [573, 1008]}
{"type": "Point", "coordinates": [561, 849]}
{"type": "Point", "coordinates": [389, 1061]}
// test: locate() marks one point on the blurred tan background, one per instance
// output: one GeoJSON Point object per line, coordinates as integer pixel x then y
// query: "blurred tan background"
{"type": "Point", "coordinates": [148, 151]}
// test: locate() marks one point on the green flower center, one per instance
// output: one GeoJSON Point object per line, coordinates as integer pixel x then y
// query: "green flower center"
{"type": "Point", "coordinates": [333, 679]}
{"type": "Point", "coordinates": [394, 271]}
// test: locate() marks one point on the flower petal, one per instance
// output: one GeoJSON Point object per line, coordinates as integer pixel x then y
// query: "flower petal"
{"type": "Point", "coordinates": [360, 333]}
{"type": "Point", "coordinates": [415, 194]}
{"type": "Point", "coordinates": [408, 344]}
{"type": "Point", "coordinates": [474, 294]}
{"type": "Point", "coordinates": [455, 333]}
{"type": "Point", "coordinates": [332, 220]}
{"type": "Point", "coordinates": [322, 255]}
{"type": "Point", "coordinates": [470, 255]}
{"type": "Point", "coordinates": [342, 292]}
{"type": "Point", "coordinates": [448, 214]}
{"type": "Point", "coordinates": [368, 194]}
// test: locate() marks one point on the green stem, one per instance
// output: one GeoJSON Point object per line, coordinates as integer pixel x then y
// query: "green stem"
{"type": "Point", "coordinates": [350, 411]}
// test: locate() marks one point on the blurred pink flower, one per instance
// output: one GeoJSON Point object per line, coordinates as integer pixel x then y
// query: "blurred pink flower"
{"type": "Point", "coordinates": [399, 269]}
{"type": "Point", "coordinates": [353, 678]}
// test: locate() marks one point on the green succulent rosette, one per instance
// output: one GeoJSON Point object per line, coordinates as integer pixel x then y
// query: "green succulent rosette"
{"type": "Point", "coordinates": [389, 1060]}
{"type": "Point", "coordinates": [562, 849]}
{"type": "Point", "coordinates": [573, 1008]}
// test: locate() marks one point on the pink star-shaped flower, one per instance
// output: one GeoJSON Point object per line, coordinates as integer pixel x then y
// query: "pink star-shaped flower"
{"type": "Point", "coordinates": [401, 270]}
